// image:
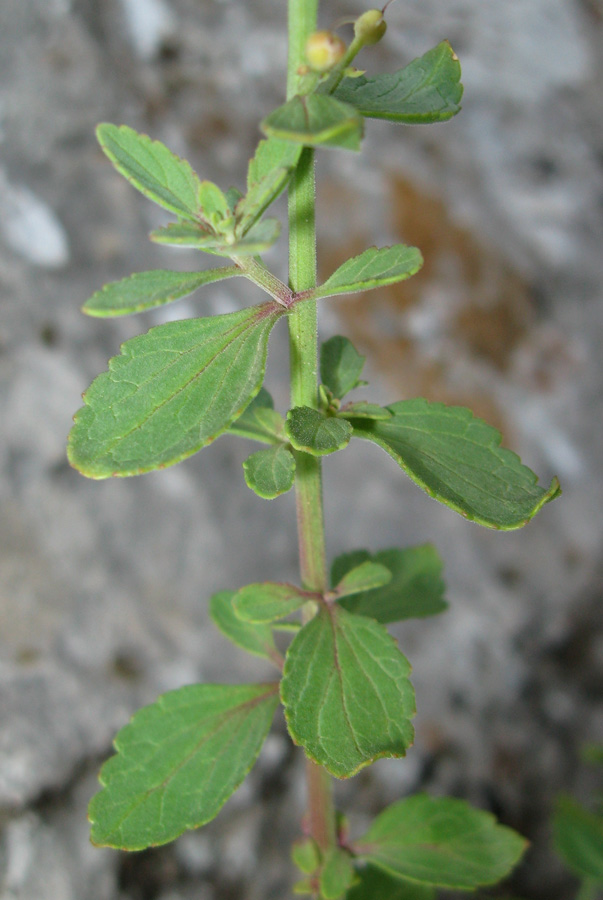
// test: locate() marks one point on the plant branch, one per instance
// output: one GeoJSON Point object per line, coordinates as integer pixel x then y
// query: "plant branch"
{"type": "Point", "coordinates": [258, 273]}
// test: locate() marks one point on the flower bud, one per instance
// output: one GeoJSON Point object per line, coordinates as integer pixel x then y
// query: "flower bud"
{"type": "Point", "coordinates": [370, 26]}
{"type": "Point", "coordinates": [324, 50]}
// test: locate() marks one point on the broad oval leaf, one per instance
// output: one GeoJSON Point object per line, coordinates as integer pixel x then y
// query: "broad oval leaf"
{"type": "Point", "coordinates": [313, 432]}
{"type": "Point", "coordinates": [416, 588]}
{"type": "Point", "coordinates": [428, 90]}
{"type": "Point", "coordinates": [373, 884]}
{"type": "Point", "coordinates": [269, 601]}
{"type": "Point", "coordinates": [153, 169]}
{"type": "Point", "coordinates": [457, 459]}
{"type": "Point", "coordinates": [184, 234]}
{"type": "Point", "coordinates": [171, 392]}
{"type": "Point", "coordinates": [441, 841]}
{"type": "Point", "coordinates": [146, 290]}
{"type": "Point", "coordinates": [345, 688]}
{"type": "Point", "coordinates": [372, 269]}
{"type": "Point", "coordinates": [178, 761]}
{"type": "Point", "coordinates": [365, 577]}
{"type": "Point", "coordinates": [270, 473]}
{"type": "Point", "coordinates": [316, 120]}
{"type": "Point", "coordinates": [578, 835]}
{"type": "Point", "coordinates": [337, 874]}
{"type": "Point", "coordinates": [340, 365]}
{"type": "Point", "coordinates": [256, 639]}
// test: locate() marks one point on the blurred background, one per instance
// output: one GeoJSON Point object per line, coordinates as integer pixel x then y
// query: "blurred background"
{"type": "Point", "coordinates": [104, 585]}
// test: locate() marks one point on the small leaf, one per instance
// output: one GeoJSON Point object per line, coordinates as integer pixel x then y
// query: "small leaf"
{"type": "Point", "coordinates": [415, 590]}
{"type": "Point", "coordinates": [442, 842]}
{"type": "Point", "coordinates": [371, 269]}
{"type": "Point", "coordinates": [257, 240]}
{"type": "Point", "coordinates": [268, 174]}
{"type": "Point", "coordinates": [315, 120]}
{"type": "Point", "coordinates": [340, 365]}
{"type": "Point", "coordinates": [213, 203]}
{"type": "Point", "coordinates": [457, 459]}
{"type": "Point", "coordinates": [365, 577]}
{"type": "Point", "coordinates": [171, 392]}
{"type": "Point", "coordinates": [270, 473]}
{"type": "Point", "coordinates": [178, 761]}
{"type": "Point", "coordinates": [428, 90]}
{"type": "Point", "coordinates": [313, 432]}
{"type": "Point", "coordinates": [306, 855]}
{"type": "Point", "coordinates": [146, 290]}
{"type": "Point", "coordinates": [304, 887]}
{"type": "Point", "coordinates": [578, 836]}
{"type": "Point", "coordinates": [376, 885]}
{"type": "Point", "coordinates": [256, 639]}
{"type": "Point", "coordinates": [364, 410]}
{"type": "Point", "coordinates": [337, 874]}
{"type": "Point", "coordinates": [153, 169]}
{"type": "Point", "coordinates": [260, 421]}
{"type": "Point", "coordinates": [268, 601]}
{"type": "Point", "coordinates": [346, 693]}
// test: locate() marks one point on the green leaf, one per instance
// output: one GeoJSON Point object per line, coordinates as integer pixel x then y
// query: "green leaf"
{"type": "Point", "coordinates": [442, 842]}
{"type": "Point", "coordinates": [376, 885]}
{"type": "Point", "coordinates": [415, 590]}
{"type": "Point", "coordinates": [171, 392]}
{"type": "Point", "coordinates": [364, 410]}
{"type": "Point", "coordinates": [178, 761]}
{"type": "Point", "coordinates": [213, 203]}
{"type": "Point", "coordinates": [313, 432]}
{"type": "Point", "coordinates": [457, 459]}
{"type": "Point", "coordinates": [305, 854]}
{"type": "Point", "coordinates": [271, 156]}
{"type": "Point", "coordinates": [371, 269]}
{"type": "Point", "coordinates": [365, 577]}
{"type": "Point", "coordinates": [427, 90]}
{"type": "Point", "coordinates": [578, 836]}
{"type": "Point", "coordinates": [260, 421]}
{"type": "Point", "coordinates": [182, 234]}
{"type": "Point", "coordinates": [304, 887]}
{"type": "Point", "coordinates": [340, 365]}
{"type": "Point", "coordinates": [270, 473]}
{"type": "Point", "coordinates": [153, 169]}
{"type": "Point", "coordinates": [346, 693]}
{"type": "Point", "coordinates": [315, 120]}
{"type": "Point", "coordinates": [268, 174]}
{"type": "Point", "coordinates": [268, 601]}
{"type": "Point", "coordinates": [256, 639]}
{"type": "Point", "coordinates": [337, 874]}
{"type": "Point", "coordinates": [145, 290]}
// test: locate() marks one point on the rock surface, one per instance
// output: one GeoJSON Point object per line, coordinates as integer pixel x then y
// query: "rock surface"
{"type": "Point", "coordinates": [104, 586]}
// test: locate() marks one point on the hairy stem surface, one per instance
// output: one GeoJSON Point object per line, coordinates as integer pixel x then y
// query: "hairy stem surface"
{"type": "Point", "coordinates": [304, 389]}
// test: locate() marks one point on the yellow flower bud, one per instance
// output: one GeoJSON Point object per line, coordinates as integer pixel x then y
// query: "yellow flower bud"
{"type": "Point", "coordinates": [324, 50]}
{"type": "Point", "coordinates": [370, 26]}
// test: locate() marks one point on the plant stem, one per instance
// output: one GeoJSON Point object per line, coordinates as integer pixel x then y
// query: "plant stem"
{"type": "Point", "coordinates": [304, 389]}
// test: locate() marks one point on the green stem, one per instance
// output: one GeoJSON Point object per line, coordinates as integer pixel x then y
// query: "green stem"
{"type": "Point", "coordinates": [304, 389]}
